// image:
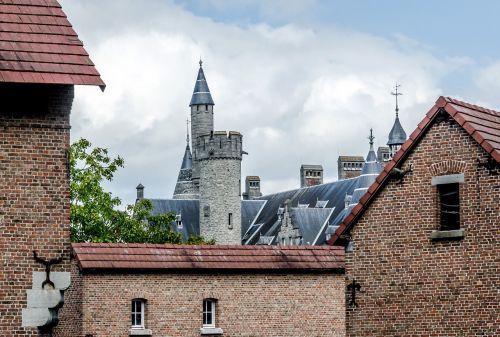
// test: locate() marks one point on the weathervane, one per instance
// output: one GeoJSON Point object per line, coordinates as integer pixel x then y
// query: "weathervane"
{"type": "Point", "coordinates": [201, 62]}
{"type": "Point", "coordinates": [396, 93]}
{"type": "Point", "coordinates": [187, 130]}
{"type": "Point", "coordinates": [371, 137]}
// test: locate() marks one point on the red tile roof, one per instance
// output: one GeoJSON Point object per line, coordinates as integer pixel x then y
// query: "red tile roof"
{"type": "Point", "coordinates": [481, 123]}
{"type": "Point", "coordinates": [103, 256]}
{"type": "Point", "coordinates": [38, 45]}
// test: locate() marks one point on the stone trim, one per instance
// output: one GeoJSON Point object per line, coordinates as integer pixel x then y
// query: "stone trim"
{"type": "Point", "coordinates": [448, 179]}
{"type": "Point", "coordinates": [455, 234]}
{"type": "Point", "coordinates": [140, 332]}
{"type": "Point", "coordinates": [211, 331]}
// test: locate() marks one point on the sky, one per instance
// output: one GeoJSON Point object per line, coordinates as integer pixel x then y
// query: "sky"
{"type": "Point", "coordinates": [302, 80]}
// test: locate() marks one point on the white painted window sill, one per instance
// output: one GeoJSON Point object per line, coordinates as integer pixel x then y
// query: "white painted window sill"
{"type": "Point", "coordinates": [140, 332]}
{"type": "Point", "coordinates": [211, 331]}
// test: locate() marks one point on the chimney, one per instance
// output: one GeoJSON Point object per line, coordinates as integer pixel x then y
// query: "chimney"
{"type": "Point", "coordinates": [252, 188]}
{"type": "Point", "coordinates": [311, 175]}
{"type": "Point", "coordinates": [140, 192]}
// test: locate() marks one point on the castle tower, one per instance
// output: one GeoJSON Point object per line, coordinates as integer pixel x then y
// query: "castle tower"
{"type": "Point", "coordinates": [397, 136]}
{"type": "Point", "coordinates": [202, 117]}
{"type": "Point", "coordinates": [219, 159]}
{"type": "Point", "coordinates": [185, 188]}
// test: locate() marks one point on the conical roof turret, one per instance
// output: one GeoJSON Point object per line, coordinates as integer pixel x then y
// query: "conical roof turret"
{"type": "Point", "coordinates": [201, 93]}
{"type": "Point", "coordinates": [397, 136]}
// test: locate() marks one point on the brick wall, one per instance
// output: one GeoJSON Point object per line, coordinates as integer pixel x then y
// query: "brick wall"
{"type": "Point", "coordinates": [34, 198]}
{"type": "Point", "coordinates": [412, 286]}
{"type": "Point", "coordinates": [247, 304]}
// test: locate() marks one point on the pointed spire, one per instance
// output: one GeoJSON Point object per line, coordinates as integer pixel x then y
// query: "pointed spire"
{"type": "Point", "coordinates": [201, 93]}
{"type": "Point", "coordinates": [371, 153]}
{"type": "Point", "coordinates": [371, 138]}
{"type": "Point", "coordinates": [397, 136]}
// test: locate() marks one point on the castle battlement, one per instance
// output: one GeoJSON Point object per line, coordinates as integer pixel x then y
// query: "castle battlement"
{"type": "Point", "coordinates": [219, 145]}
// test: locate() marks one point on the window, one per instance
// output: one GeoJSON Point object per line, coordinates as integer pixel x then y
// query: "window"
{"type": "Point", "coordinates": [209, 313]}
{"type": "Point", "coordinates": [138, 314]}
{"type": "Point", "coordinates": [230, 221]}
{"type": "Point", "coordinates": [449, 200]}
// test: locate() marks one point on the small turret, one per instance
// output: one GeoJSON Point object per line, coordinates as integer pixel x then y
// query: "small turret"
{"type": "Point", "coordinates": [397, 136]}
{"type": "Point", "coordinates": [202, 117]}
{"type": "Point", "coordinates": [252, 188]}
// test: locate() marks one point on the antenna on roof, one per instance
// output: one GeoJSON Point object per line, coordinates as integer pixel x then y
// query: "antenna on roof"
{"type": "Point", "coordinates": [371, 137]}
{"type": "Point", "coordinates": [396, 93]}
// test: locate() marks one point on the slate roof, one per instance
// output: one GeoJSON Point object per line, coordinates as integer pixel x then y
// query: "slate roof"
{"type": "Point", "coordinates": [312, 222]}
{"type": "Point", "coordinates": [106, 256]}
{"type": "Point", "coordinates": [39, 45]}
{"type": "Point", "coordinates": [267, 223]}
{"type": "Point", "coordinates": [201, 93]}
{"type": "Point", "coordinates": [187, 160]}
{"type": "Point", "coordinates": [187, 208]}
{"type": "Point", "coordinates": [480, 123]}
{"type": "Point", "coordinates": [397, 134]}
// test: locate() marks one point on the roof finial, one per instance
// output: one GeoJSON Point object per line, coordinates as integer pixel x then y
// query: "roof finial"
{"type": "Point", "coordinates": [187, 131]}
{"type": "Point", "coordinates": [396, 93]}
{"type": "Point", "coordinates": [371, 137]}
{"type": "Point", "coordinates": [201, 62]}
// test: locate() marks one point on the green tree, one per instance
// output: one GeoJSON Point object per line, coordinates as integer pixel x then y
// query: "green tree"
{"type": "Point", "coordinates": [94, 214]}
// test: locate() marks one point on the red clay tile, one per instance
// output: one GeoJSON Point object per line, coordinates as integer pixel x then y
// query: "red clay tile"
{"type": "Point", "coordinates": [37, 37]}
{"type": "Point", "coordinates": [364, 199]}
{"type": "Point", "coordinates": [440, 103]}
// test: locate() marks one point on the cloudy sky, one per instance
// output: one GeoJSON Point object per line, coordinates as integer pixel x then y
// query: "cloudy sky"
{"type": "Point", "coordinates": [303, 81]}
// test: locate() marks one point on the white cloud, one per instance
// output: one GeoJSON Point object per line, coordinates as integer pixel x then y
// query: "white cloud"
{"type": "Point", "coordinates": [298, 94]}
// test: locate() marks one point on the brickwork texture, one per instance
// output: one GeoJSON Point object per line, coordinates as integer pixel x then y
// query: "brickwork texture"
{"type": "Point", "coordinates": [411, 285]}
{"type": "Point", "coordinates": [34, 198]}
{"type": "Point", "coordinates": [256, 304]}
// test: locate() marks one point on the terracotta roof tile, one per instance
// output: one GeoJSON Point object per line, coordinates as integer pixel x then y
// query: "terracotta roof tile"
{"type": "Point", "coordinates": [482, 124]}
{"type": "Point", "coordinates": [38, 45]}
{"type": "Point", "coordinates": [97, 256]}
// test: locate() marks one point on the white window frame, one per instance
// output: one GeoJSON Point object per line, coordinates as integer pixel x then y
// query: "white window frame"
{"type": "Point", "coordinates": [135, 313]}
{"type": "Point", "coordinates": [209, 307]}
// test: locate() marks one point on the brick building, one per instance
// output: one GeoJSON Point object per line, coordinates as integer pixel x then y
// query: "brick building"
{"type": "Point", "coordinates": [423, 241]}
{"type": "Point", "coordinates": [42, 59]}
{"type": "Point", "coordinates": [169, 290]}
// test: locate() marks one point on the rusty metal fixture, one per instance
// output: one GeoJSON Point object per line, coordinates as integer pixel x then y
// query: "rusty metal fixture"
{"type": "Point", "coordinates": [47, 265]}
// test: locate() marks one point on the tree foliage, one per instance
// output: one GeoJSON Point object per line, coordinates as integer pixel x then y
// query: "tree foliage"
{"type": "Point", "coordinates": [95, 216]}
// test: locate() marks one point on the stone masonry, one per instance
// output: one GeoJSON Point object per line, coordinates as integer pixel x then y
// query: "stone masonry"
{"type": "Point", "coordinates": [219, 156]}
{"type": "Point", "coordinates": [34, 202]}
{"type": "Point", "coordinates": [411, 284]}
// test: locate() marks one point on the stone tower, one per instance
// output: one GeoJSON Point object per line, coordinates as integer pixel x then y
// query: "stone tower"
{"type": "Point", "coordinates": [202, 118]}
{"type": "Point", "coordinates": [219, 160]}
